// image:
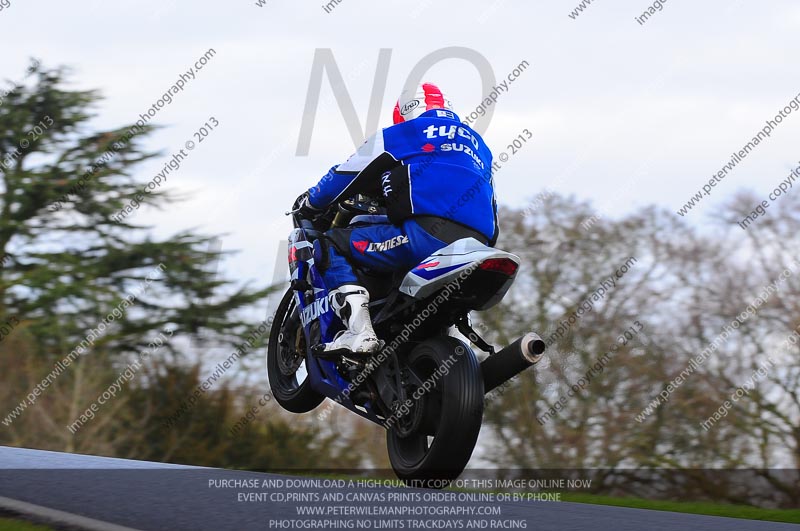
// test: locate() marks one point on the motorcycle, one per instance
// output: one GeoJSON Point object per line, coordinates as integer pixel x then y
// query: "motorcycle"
{"type": "Point", "coordinates": [424, 386]}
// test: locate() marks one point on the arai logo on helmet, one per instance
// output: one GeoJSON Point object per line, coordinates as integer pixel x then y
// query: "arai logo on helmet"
{"type": "Point", "coordinates": [410, 106]}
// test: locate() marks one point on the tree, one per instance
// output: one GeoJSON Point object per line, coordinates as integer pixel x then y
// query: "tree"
{"type": "Point", "coordinates": [685, 288]}
{"type": "Point", "coordinates": [82, 285]}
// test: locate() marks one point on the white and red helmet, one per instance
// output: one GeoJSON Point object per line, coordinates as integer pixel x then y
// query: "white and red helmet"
{"type": "Point", "coordinates": [414, 102]}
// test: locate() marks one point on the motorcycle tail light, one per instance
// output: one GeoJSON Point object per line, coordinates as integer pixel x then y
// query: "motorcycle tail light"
{"type": "Point", "coordinates": [499, 265]}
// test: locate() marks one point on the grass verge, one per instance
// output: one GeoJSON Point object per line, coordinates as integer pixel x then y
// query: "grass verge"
{"type": "Point", "coordinates": [791, 516]}
{"type": "Point", "coordinates": [8, 524]}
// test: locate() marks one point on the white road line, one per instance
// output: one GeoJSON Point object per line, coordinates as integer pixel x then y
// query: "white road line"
{"type": "Point", "coordinates": [55, 517]}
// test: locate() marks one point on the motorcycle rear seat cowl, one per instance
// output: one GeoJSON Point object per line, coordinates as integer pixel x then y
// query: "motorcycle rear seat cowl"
{"type": "Point", "coordinates": [448, 264]}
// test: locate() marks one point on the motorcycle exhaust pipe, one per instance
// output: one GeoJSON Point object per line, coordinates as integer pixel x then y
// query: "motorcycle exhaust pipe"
{"type": "Point", "coordinates": [512, 360]}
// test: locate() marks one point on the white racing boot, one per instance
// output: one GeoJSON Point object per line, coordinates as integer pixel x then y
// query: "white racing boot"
{"type": "Point", "coordinates": [351, 304]}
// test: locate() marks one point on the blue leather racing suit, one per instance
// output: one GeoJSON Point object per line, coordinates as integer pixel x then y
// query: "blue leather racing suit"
{"type": "Point", "coordinates": [435, 175]}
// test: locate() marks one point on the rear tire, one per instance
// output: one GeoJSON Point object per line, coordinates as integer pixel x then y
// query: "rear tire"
{"type": "Point", "coordinates": [452, 410]}
{"type": "Point", "coordinates": [291, 393]}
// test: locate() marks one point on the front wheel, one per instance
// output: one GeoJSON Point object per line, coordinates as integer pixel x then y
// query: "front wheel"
{"type": "Point", "coordinates": [433, 442]}
{"type": "Point", "coordinates": [286, 359]}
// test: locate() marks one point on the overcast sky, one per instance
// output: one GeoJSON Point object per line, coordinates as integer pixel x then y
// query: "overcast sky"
{"type": "Point", "coordinates": [622, 114]}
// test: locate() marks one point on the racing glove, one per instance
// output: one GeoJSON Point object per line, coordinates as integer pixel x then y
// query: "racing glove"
{"type": "Point", "coordinates": [307, 210]}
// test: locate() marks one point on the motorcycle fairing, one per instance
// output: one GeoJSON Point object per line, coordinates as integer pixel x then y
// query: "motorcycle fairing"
{"type": "Point", "coordinates": [323, 374]}
{"type": "Point", "coordinates": [446, 264]}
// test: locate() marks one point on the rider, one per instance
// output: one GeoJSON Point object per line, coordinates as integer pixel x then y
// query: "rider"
{"type": "Point", "coordinates": [435, 175]}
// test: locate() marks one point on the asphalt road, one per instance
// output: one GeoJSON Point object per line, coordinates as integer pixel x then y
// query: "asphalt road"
{"type": "Point", "coordinates": [88, 492]}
